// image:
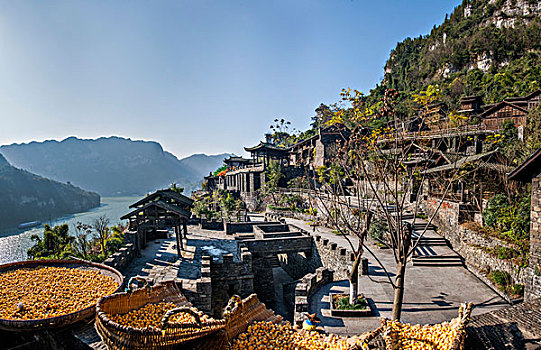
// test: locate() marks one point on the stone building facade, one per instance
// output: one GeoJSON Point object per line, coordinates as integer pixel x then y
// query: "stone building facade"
{"type": "Point", "coordinates": [530, 171]}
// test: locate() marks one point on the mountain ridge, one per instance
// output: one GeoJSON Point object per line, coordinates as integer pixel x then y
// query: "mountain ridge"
{"type": "Point", "coordinates": [111, 165]}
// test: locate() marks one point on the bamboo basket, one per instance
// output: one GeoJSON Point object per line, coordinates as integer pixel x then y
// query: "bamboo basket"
{"type": "Point", "coordinates": [172, 335]}
{"type": "Point", "coordinates": [238, 314]}
{"type": "Point", "coordinates": [391, 336]}
{"type": "Point", "coordinates": [63, 320]}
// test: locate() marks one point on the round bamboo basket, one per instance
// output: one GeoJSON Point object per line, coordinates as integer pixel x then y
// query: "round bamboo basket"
{"type": "Point", "coordinates": [172, 335]}
{"type": "Point", "coordinates": [58, 321]}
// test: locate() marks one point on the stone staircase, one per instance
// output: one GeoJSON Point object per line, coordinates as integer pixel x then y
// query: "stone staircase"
{"type": "Point", "coordinates": [433, 250]}
{"type": "Point", "coordinates": [274, 261]}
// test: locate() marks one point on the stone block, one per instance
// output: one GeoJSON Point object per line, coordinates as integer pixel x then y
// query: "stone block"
{"type": "Point", "coordinates": [301, 289]}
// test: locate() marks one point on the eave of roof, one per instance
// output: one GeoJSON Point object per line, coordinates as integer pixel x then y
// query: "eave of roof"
{"type": "Point", "coordinates": [501, 105]}
{"type": "Point", "coordinates": [459, 163]}
{"type": "Point", "coordinates": [524, 98]}
{"type": "Point", "coordinates": [168, 193]}
{"type": "Point", "coordinates": [263, 145]}
{"type": "Point", "coordinates": [165, 206]}
{"type": "Point", "coordinates": [525, 171]}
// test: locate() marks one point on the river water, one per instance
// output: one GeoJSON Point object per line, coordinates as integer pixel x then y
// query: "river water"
{"type": "Point", "coordinates": [15, 244]}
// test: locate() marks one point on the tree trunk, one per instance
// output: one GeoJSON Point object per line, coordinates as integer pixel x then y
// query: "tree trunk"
{"type": "Point", "coordinates": [353, 288]}
{"type": "Point", "coordinates": [399, 290]}
{"type": "Point", "coordinates": [354, 279]}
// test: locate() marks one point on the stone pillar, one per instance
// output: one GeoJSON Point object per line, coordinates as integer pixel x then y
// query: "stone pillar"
{"type": "Point", "coordinates": [251, 183]}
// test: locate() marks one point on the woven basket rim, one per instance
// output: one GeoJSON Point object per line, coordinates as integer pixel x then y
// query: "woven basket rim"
{"type": "Point", "coordinates": [50, 322]}
{"type": "Point", "coordinates": [104, 318]}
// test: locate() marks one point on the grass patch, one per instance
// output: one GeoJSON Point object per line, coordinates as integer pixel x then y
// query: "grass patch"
{"type": "Point", "coordinates": [341, 302]}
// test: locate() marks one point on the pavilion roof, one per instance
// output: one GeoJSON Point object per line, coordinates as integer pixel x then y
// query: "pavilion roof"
{"type": "Point", "coordinates": [162, 205]}
{"type": "Point", "coordinates": [461, 162]}
{"type": "Point", "coordinates": [164, 193]}
{"type": "Point", "coordinates": [524, 98]}
{"type": "Point", "coordinates": [262, 146]}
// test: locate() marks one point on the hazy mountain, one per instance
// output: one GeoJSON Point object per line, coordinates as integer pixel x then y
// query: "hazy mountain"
{"type": "Point", "coordinates": [28, 197]}
{"type": "Point", "coordinates": [111, 166]}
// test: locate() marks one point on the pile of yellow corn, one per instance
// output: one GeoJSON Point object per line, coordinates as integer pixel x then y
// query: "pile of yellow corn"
{"type": "Point", "coordinates": [150, 316]}
{"type": "Point", "coordinates": [37, 293]}
{"type": "Point", "coordinates": [267, 335]}
{"type": "Point", "coordinates": [431, 337]}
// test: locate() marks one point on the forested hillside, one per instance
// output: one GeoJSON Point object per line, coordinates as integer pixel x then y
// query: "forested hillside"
{"type": "Point", "coordinates": [486, 47]}
{"type": "Point", "coordinates": [28, 197]}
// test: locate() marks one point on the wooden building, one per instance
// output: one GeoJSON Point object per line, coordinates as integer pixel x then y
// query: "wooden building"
{"type": "Point", "coordinates": [494, 117]}
{"type": "Point", "coordinates": [264, 153]}
{"type": "Point", "coordinates": [471, 105]}
{"type": "Point", "coordinates": [154, 214]}
{"type": "Point", "coordinates": [319, 149]}
{"type": "Point", "coordinates": [513, 108]}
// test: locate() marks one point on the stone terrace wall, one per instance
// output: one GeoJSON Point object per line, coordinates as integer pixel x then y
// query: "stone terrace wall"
{"type": "Point", "coordinates": [231, 277]}
{"type": "Point", "coordinates": [211, 225]}
{"type": "Point", "coordinates": [202, 296]}
{"type": "Point", "coordinates": [308, 285]}
{"type": "Point", "coordinates": [121, 259]}
{"type": "Point", "coordinates": [324, 254]}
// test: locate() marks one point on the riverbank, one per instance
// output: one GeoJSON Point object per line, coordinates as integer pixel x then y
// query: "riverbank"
{"type": "Point", "coordinates": [15, 243]}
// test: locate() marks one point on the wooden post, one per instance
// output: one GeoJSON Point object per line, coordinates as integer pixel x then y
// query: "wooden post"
{"type": "Point", "coordinates": [185, 229]}
{"type": "Point", "coordinates": [177, 235]}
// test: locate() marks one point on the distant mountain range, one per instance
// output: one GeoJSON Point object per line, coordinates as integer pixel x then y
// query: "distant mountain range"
{"type": "Point", "coordinates": [28, 197]}
{"type": "Point", "coordinates": [111, 166]}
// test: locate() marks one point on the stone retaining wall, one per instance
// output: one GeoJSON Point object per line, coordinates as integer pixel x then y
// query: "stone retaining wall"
{"type": "Point", "coordinates": [307, 286]}
{"type": "Point", "coordinates": [211, 225]}
{"type": "Point", "coordinates": [121, 259]}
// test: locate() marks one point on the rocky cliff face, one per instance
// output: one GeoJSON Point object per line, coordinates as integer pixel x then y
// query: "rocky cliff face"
{"type": "Point", "coordinates": [487, 47]}
{"type": "Point", "coordinates": [28, 197]}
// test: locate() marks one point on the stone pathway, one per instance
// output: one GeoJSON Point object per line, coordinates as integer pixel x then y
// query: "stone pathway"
{"type": "Point", "coordinates": [432, 293]}
{"type": "Point", "coordinates": [159, 260]}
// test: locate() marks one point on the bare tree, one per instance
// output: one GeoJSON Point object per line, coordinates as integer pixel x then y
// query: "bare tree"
{"type": "Point", "coordinates": [379, 173]}
{"type": "Point", "coordinates": [101, 226]}
{"type": "Point", "coordinates": [83, 239]}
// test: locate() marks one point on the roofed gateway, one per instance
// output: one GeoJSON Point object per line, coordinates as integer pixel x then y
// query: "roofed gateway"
{"type": "Point", "coordinates": [156, 213]}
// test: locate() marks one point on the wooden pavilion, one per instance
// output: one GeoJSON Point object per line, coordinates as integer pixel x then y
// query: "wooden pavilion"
{"type": "Point", "coordinates": [265, 152]}
{"type": "Point", "coordinates": [158, 212]}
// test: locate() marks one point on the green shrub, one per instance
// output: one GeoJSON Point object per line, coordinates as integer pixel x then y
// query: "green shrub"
{"type": "Point", "coordinates": [517, 289]}
{"type": "Point", "coordinates": [378, 229]}
{"type": "Point", "coordinates": [506, 253]}
{"type": "Point", "coordinates": [501, 278]}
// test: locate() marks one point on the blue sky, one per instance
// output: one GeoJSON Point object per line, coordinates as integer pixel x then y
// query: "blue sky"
{"type": "Point", "coordinates": [197, 76]}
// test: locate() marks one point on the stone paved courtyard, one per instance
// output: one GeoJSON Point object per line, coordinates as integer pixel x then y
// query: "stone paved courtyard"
{"type": "Point", "coordinates": [433, 294]}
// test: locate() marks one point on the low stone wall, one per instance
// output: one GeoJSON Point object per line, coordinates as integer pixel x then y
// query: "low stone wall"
{"type": "Point", "coordinates": [121, 259]}
{"type": "Point", "coordinates": [307, 286]}
{"type": "Point", "coordinates": [211, 225]}
{"type": "Point", "coordinates": [201, 298]}
{"type": "Point", "coordinates": [334, 257]}
{"type": "Point", "coordinates": [271, 215]}
{"type": "Point", "coordinates": [244, 227]}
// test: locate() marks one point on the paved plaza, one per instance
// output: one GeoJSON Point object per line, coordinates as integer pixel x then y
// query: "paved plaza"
{"type": "Point", "coordinates": [432, 295]}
